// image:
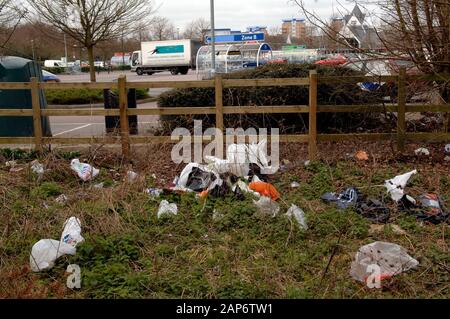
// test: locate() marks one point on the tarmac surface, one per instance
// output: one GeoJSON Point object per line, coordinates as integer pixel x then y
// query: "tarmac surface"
{"type": "Point", "coordinates": [87, 126]}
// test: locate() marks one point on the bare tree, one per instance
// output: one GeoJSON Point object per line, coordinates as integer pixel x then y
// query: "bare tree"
{"type": "Point", "coordinates": [11, 14]}
{"type": "Point", "coordinates": [418, 30]}
{"type": "Point", "coordinates": [90, 22]}
{"type": "Point", "coordinates": [162, 29]}
{"type": "Point", "coordinates": [197, 29]}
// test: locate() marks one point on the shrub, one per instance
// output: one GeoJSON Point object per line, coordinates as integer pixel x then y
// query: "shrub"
{"type": "Point", "coordinates": [328, 94]}
{"type": "Point", "coordinates": [83, 96]}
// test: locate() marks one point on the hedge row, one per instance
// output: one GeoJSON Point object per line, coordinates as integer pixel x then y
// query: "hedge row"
{"type": "Point", "coordinates": [82, 96]}
{"type": "Point", "coordinates": [328, 94]}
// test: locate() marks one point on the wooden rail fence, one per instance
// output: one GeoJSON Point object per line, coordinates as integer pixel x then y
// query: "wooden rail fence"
{"type": "Point", "coordinates": [219, 110]}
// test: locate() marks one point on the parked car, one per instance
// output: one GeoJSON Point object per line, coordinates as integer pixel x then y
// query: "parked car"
{"type": "Point", "coordinates": [49, 77]}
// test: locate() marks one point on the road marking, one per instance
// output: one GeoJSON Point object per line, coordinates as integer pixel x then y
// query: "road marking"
{"type": "Point", "coordinates": [74, 129]}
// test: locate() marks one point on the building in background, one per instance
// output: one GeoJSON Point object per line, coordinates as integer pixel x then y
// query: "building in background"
{"type": "Point", "coordinates": [358, 31]}
{"type": "Point", "coordinates": [294, 28]}
{"type": "Point", "coordinates": [255, 29]}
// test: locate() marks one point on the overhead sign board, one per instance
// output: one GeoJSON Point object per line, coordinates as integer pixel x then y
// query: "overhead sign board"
{"type": "Point", "coordinates": [233, 38]}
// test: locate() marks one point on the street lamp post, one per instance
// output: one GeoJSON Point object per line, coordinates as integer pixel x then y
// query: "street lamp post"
{"type": "Point", "coordinates": [213, 39]}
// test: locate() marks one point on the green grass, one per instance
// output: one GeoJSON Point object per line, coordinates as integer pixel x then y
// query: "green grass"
{"type": "Point", "coordinates": [129, 253]}
{"type": "Point", "coordinates": [82, 96]}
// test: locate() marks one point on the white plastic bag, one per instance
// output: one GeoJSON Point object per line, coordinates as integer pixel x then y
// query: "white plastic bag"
{"type": "Point", "coordinates": [299, 215]}
{"type": "Point", "coordinates": [37, 168]}
{"type": "Point", "coordinates": [45, 252]}
{"type": "Point", "coordinates": [267, 206]}
{"type": "Point", "coordinates": [62, 199]}
{"type": "Point", "coordinates": [71, 234]}
{"type": "Point", "coordinates": [395, 186]}
{"type": "Point", "coordinates": [422, 151]}
{"type": "Point", "coordinates": [166, 208]}
{"type": "Point", "coordinates": [391, 258]}
{"type": "Point", "coordinates": [131, 176]}
{"type": "Point", "coordinates": [84, 171]}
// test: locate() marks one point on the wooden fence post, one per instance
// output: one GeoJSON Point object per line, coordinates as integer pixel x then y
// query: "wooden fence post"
{"type": "Point", "coordinates": [37, 123]}
{"type": "Point", "coordinates": [312, 132]}
{"type": "Point", "coordinates": [124, 125]}
{"type": "Point", "coordinates": [401, 116]}
{"type": "Point", "coordinates": [219, 115]}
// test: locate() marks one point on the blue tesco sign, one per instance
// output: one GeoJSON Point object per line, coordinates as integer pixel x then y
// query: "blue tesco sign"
{"type": "Point", "coordinates": [243, 37]}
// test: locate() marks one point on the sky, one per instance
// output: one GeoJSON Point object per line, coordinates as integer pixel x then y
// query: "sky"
{"type": "Point", "coordinates": [239, 14]}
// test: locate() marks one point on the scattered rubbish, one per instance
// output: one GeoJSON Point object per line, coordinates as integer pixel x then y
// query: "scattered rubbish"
{"type": "Point", "coordinates": [299, 215]}
{"type": "Point", "coordinates": [84, 171]}
{"type": "Point", "coordinates": [10, 164]}
{"type": "Point", "coordinates": [72, 232]}
{"type": "Point", "coordinates": [447, 148]}
{"type": "Point", "coordinates": [62, 199]}
{"type": "Point", "coordinates": [391, 258]}
{"type": "Point", "coordinates": [267, 206]}
{"type": "Point", "coordinates": [265, 189]}
{"type": "Point", "coordinates": [194, 177]}
{"type": "Point", "coordinates": [131, 176]}
{"type": "Point", "coordinates": [431, 208]}
{"type": "Point", "coordinates": [396, 186]}
{"type": "Point", "coordinates": [240, 158]}
{"type": "Point", "coordinates": [154, 192]}
{"type": "Point", "coordinates": [295, 185]}
{"type": "Point", "coordinates": [45, 252]}
{"type": "Point", "coordinates": [165, 208]}
{"type": "Point", "coordinates": [37, 168]}
{"type": "Point", "coordinates": [99, 185]}
{"type": "Point", "coordinates": [422, 151]}
{"type": "Point", "coordinates": [154, 176]}
{"type": "Point", "coordinates": [343, 200]}
{"type": "Point", "coordinates": [362, 156]}
{"type": "Point", "coordinates": [374, 210]}
{"type": "Point", "coordinates": [16, 169]}
{"type": "Point", "coordinates": [307, 163]}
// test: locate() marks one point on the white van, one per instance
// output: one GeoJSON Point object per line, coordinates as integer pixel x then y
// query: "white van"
{"type": "Point", "coordinates": [176, 56]}
{"type": "Point", "coordinates": [54, 64]}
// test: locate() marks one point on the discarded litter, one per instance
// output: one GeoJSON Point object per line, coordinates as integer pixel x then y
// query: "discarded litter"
{"type": "Point", "coordinates": [131, 176]}
{"type": "Point", "coordinates": [10, 163]}
{"type": "Point", "coordinates": [265, 189]}
{"type": "Point", "coordinates": [307, 163]}
{"type": "Point", "coordinates": [99, 185]}
{"type": "Point", "coordinates": [62, 199]}
{"type": "Point", "coordinates": [422, 151]}
{"type": "Point", "coordinates": [267, 206]}
{"type": "Point", "coordinates": [154, 192]}
{"type": "Point", "coordinates": [295, 185]}
{"type": "Point", "coordinates": [396, 186]}
{"type": "Point", "coordinates": [71, 234]}
{"type": "Point", "coordinates": [299, 215]}
{"type": "Point", "coordinates": [84, 171]}
{"type": "Point", "coordinates": [343, 200]}
{"type": "Point", "coordinates": [374, 210]}
{"type": "Point", "coordinates": [431, 208]}
{"type": "Point", "coordinates": [165, 208]}
{"type": "Point", "coordinates": [362, 156]}
{"type": "Point", "coordinates": [391, 258]}
{"type": "Point", "coordinates": [447, 148]}
{"type": "Point", "coordinates": [45, 252]}
{"type": "Point", "coordinates": [37, 168]}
